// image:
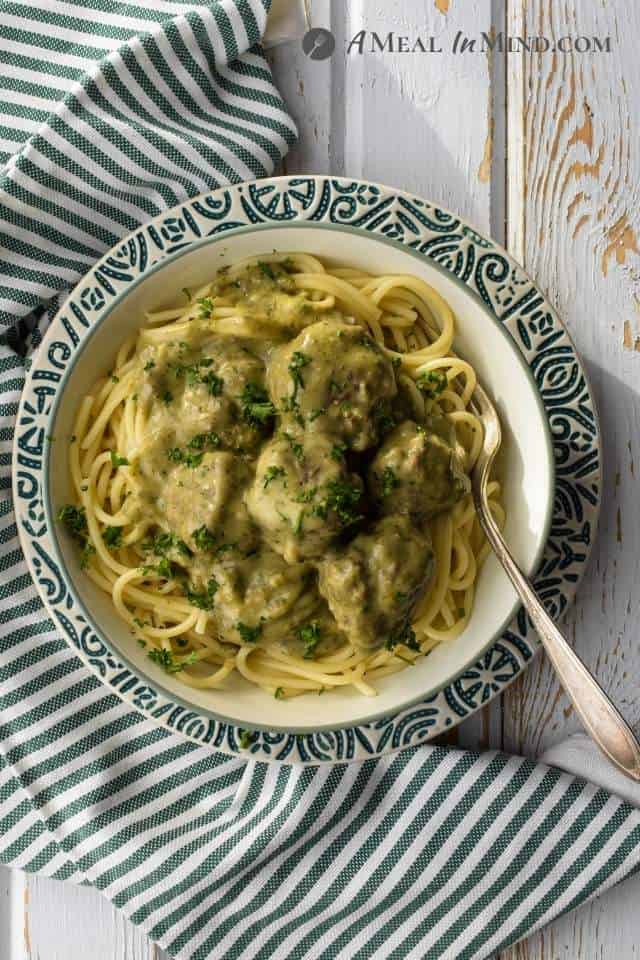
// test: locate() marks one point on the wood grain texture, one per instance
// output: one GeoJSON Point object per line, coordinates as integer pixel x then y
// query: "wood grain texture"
{"type": "Point", "coordinates": [580, 187]}
{"type": "Point", "coordinates": [574, 185]}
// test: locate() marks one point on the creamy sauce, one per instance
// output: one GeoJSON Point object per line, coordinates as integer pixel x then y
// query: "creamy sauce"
{"type": "Point", "coordinates": [285, 483]}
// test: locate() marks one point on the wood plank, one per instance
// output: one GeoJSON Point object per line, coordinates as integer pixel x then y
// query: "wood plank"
{"type": "Point", "coordinates": [580, 199]}
{"type": "Point", "coordinates": [574, 184]}
{"type": "Point", "coordinates": [602, 929]}
{"type": "Point", "coordinates": [66, 922]}
{"type": "Point", "coordinates": [14, 935]}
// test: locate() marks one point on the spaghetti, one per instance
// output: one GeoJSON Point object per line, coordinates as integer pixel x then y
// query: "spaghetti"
{"type": "Point", "coordinates": [184, 462]}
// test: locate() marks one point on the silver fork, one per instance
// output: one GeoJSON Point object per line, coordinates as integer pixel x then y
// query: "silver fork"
{"type": "Point", "coordinates": [603, 722]}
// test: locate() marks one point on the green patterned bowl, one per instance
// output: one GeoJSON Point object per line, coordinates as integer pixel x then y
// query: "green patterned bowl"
{"type": "Point", "coordinates": [505, 328]}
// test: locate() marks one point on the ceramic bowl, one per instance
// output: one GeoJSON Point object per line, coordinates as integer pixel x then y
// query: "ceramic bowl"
{"type": "Point", "coordinates": [505, 328]}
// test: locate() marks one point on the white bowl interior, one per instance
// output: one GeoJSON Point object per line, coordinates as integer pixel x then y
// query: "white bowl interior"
{"type": "Point", "coordinates": [527, 471]}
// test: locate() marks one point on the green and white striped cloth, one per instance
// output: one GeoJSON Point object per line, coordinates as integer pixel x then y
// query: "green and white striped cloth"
{"type": "Point", "coordinates": [112, 111]}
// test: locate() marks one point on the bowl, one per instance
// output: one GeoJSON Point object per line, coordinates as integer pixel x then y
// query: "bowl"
{"type": "Point", "coordinates": [527, 470]}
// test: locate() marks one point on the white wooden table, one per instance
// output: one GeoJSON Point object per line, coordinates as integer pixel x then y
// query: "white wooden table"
{"type": "Point", "coordinates": [543, 152]}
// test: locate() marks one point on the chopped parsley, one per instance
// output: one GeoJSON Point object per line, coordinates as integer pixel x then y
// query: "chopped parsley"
{"type": "Point", "coordinates": [205, 308]}
{"type": "Point", "coordinates": [202, 440]}
{"type": "Point", "coordinates": [87, 551]}
{"type": "Point", "coordinates": [165, 541]}
{"type": "Point", "coordinates": [203, 538]}
{"type": "Point", "coordinates": [267, 270]}
{"type": "Point", "coordinates": [296, 447]}
{"type": "Point", "coordinates": [389, 481]}
{"type": "Point", "coordinates": [114, 379]}
{"type": "Point", "coordinates": [307, 496]}
{"type": "Point", "coordinates": [204, 599]}
{"type": "Point", "coordinates": [149, 365]}
{"type": "Point", "coordinates": [75, 520]}
{"type": "Point", "coordinates": [385, 422]}
{"type": "Point", "coordinates": [343, 499]}
{"type": "Point", "coordinates": [309, 635]}
{"type": "Point", "coordinates": [406, 635]}
{"type": "Point", "coordinates": [224, 548]}
{"type": "Point", "coordinates": [193, 460]}
{"type": "Point", "coordinates": [112, 536]}
{"type": "Point", "coordinates": [193, 374]}
{"type": "Point", "coordinates": [164, 568]}
{"type": "Point", "coordinates": [432, 383]}
{"type": "Point", "coordinates": [338, 451]}
{"type": "Point", "coordinates": [298, 361]}
{"type": "Point", "coordinates": [167, 397]}
{"type": "Point", "coordinates": [249, 634]}
{"type": "Point", "coordinates": [245, 739]}
{"type": "Point", "coordinates": [257, 409]}
{"type": "Point", "coordinates": [165, 659]}
{"type": "Point", "coordinates": [272, 473]}
{"type": "Point", "coordinates": [279, 694]}
{"type": "Point", "coordinates": [118, 461]}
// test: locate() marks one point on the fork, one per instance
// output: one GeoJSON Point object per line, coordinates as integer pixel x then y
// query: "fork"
{"type": "Point", "coordinates": [600, 718]}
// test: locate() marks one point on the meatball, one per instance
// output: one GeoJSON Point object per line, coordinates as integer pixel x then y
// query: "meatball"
{"type": "Point", "coordinates": [262, 597]}
{"type": "Point", "coordinates": [334, 379]}
{"type": "Point", "coordinates": [373, 585]}
{"type": "Point", "coordinates": [416, 473]}
{"type": "Point", "coordinates": [294, 497]}
{"type": "Point", "coordinates": [207, 500]}
{"type": "Point", "coordinates": [207, 395]}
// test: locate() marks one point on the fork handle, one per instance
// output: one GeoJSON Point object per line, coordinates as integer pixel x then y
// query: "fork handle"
{"type": "Point", "coordinates": [603, 722]}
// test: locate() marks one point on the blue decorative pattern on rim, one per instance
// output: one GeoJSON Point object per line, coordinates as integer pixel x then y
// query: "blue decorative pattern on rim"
{"type": "Point", "coordinates": [516, 302]}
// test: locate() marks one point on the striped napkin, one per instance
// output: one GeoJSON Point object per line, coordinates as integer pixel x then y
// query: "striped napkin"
{"type": "Point", "coordinates": [112, 112]}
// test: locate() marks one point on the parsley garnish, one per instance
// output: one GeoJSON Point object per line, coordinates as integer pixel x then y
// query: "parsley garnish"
{"type": "Point", "coordinates": [296, 447]}
{"type": "Point", "coordinates": [272, 473]}
{"type": "Point", "coordinates": [279, 694]}
{"type": "Point", "coordinates": [193, 374]}
{"type": "Point", "coordinates": [193, 460]}
{"type": "Point", "coordinates": [75, 520]}
{"type": "Point", "coordinates": [205, 308]}
{"type": "Point", "coordinates": [149, 365]}
{"type": "Point", "coordinates": [249, 634]}
{"type": "Point", "coordinates": [389, 481]}
{"type": "Point", "coordinates": [296, 364]}
{"type": "Point", "coordinates": [203, 599]}
{"type": "Point", "coordinates": [164, 658]}
{"type": "Point", "coordinates": [432, 383]}
{"type": "Point", "coordinates": [114, 379]}
{"type": "Point", "coordinates": [343, 498]}
{"type": "Point", "coordinates": [307, 496]}
{"type": "Point", "coordinates": [167, 397]}
{"type": "Point", "coordinates": [338, 451]}
{"type": "Point", "coordinates": [87, 551]}
{"type": "Point", "coordinates": [309, 635]}
{"type": "Point", "coordinates": [245, 738]}
{"type": "Point", "coordinates": [203, 538]}
{"type": "Point", "coordinates": [202, 440]}
{"type": "Point", "coordinates": [257, 408]}
{"type": "Point", "coordinates": [267, 269]}
{"type": "Point", "coordinates": [163, 542]}
{"type": "Point", "coordinates": [118, 461]}
{"type": "Point", "coordinates": [406, 635]}
{"type": "Point", "coordinates": [112, 536]}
